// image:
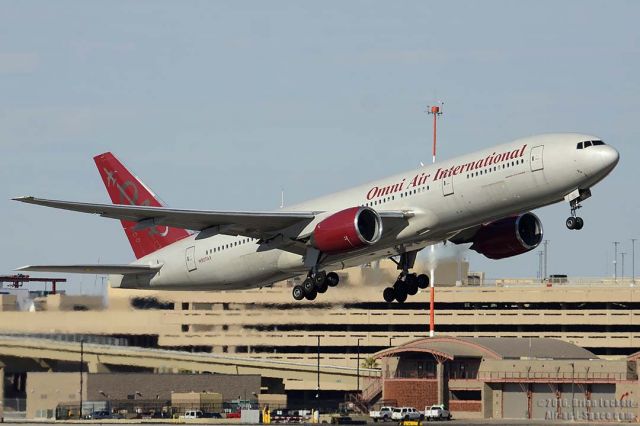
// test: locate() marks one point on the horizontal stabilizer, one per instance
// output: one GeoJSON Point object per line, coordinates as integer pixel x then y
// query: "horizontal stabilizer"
{"type": "Point", "coordinates": [94, 269]}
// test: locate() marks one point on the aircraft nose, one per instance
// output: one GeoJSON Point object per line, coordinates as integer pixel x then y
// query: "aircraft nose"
{"type": "Point", "coordinates": [609, 157]}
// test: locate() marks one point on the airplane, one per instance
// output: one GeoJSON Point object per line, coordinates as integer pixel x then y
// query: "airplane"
{"type": "Point", "coordinates": [484, 198]}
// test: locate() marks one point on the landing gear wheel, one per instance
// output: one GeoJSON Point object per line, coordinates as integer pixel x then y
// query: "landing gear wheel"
{"type": "Point", "coordinates": [423, 281]}
{"type": "Point", "coordinates": [579, 223]}
{"type": "Point", "coordinates": [322, 288]}
{"type": "Point", "coordinates": [298, 292]}
{"type": "Point", "coordinates": [312, 295]}
{"type": "Point", "coordinates": [400, 288]}
{"type": "Point", "coordinates": [389, 294]}
{"type": "Point", "coordinates": [411, 283]}
{"type": "Point", "coordinates": [571, 222]}
{"type": "Point", "coordinates": [319, 277]}
{"type": "Point", "coordinates": [308, 285]}
{"type": "Point", "coordinates": [332, 279]}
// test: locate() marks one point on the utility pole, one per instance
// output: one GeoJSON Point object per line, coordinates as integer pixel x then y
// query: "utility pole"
{"type": "Point", "coordinates": [546, 257]}
{"type": "Point", "coordinates": [540, 258]}
{"type": "Point", "coordinates": [622, 265]}
{"type": "Point", "coordinates": [434, 110]}
{"type": "Point", "coordinates": [633, 261]}
{"type": "Point", "coordinates": [615, 260]}
{"type": "Point", "coordinates": [81, 375]}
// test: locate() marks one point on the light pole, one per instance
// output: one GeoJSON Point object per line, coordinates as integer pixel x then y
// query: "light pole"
{"type": "Point", "coordinates": [622, 265]}
{"type": "Point", "coordinates": [615, 260]}
{"type": "Point", "coordinates": [573, 395]}
{"type": "Point", "coordinates": [358, 366]}
{"type": "Point", "coordinates": [81, 374]}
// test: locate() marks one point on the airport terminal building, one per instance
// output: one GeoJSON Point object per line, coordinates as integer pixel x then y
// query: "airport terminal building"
{"type": "Point", "coordinates": [353, 338]}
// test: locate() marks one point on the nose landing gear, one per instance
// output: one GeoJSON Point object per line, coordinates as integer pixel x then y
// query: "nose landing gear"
{"type": "Point", "coordinates": [574, 222]}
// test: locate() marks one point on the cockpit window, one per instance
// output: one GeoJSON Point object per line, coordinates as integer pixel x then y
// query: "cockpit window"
{"type": "Point", "coordinates": [587, 144]}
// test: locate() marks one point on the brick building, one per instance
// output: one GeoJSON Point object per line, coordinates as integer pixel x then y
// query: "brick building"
{"type": "Point", "coordinates": [498, 378]}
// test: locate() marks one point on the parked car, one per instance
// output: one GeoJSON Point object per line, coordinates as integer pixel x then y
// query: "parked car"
{"type": "Point", "coordinates": [406, 413]}
{"type": "Point", "coordinates": [384, 414]}
{"type": "Point", "coordinates": [192, 414]}
{"type": "Point", "coordinates": [437, 412]}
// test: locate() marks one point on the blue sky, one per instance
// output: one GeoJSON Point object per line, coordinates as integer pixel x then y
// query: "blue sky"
{"type": "Point", "coordinates": [218, 105]}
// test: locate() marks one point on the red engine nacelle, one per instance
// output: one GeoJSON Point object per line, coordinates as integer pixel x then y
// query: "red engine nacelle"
{"type": "Point", "coordinates": [347, 230]}
{"type": "Point", "coordinates": [509, 236]}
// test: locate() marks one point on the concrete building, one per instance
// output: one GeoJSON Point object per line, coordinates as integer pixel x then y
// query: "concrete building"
{"type": "Point", "coordinates": [136, 391]}
{"type": "Point", "coordinates": [500, 378]}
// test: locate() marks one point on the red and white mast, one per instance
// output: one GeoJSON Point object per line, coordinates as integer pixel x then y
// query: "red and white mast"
{"type": "Point", "coordinates": [436, 111]}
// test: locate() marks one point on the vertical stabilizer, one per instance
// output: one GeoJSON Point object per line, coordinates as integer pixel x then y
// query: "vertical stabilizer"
{"type": "Point", "coordinates": [126, 188]}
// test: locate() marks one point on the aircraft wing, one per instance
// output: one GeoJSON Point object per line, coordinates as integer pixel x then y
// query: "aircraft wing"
{"type": "Point", "coordinates": [253, 224]}
{"type": "Point", "coordinates": [94, 269]}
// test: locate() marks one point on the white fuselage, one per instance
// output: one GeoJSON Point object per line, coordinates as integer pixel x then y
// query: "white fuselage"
{"type": "Point", "coordinates": [444, 198]}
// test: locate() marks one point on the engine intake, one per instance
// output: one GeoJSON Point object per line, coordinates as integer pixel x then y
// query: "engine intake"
{"type": "Point", "coordinates": [508, 237]}
{"type": "Point", "coordinates": [347, 230]}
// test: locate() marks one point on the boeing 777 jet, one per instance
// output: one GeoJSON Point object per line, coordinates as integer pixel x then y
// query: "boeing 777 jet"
{"type": "Point", "coordinates": [483, 198]}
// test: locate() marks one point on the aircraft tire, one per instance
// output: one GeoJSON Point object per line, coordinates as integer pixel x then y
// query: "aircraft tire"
{"type": "Point", "coordinates": [571, 222]}
{"type": "Point", "coordinates": [412, 289]}
{"type": "Point", "coordinates": [308, 285]}
{"type": "Point", "coordinates": [579, 223]}
{"type": "Point", "coordinates": [319, 277]}
{"type": "Point", "coordinates": [389, 294]}
{"type": "Point", "coordinates": [423, 281]}
{"type": "Point", "coordinates": [401, 295]}
{"type": "Point", "coordinates": [322, 288]}
{"type": "Point", "coordinates": [312, 295]}
{"type": "Point", "coordinates": [298, 292]}
{"type": "Point", "coordinates": [332, 279]}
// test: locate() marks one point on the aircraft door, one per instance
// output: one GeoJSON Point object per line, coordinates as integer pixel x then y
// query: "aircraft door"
{"type": "Point", "coordinates": [190, 257]}
{"type": "Point", "coordinates": [447, 185]}
{"type": "Point", "coordinates": [536, 158]}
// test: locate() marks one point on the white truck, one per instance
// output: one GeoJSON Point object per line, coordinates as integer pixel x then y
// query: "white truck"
{"type": "Point", "coordinates": [406, 413]}
{"type": "Point", "coordinates": [384, 414]}
{"type": "Point", "coordinates": [437, 412]}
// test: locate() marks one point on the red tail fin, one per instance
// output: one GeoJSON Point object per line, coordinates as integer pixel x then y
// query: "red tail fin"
{"type": "Point", "coordinates": [126, 188]}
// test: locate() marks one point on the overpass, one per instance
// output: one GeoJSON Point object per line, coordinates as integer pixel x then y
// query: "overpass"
{"type": "Point", "coordinates": [102, 358]}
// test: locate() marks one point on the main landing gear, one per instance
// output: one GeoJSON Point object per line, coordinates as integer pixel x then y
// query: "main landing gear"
{"type": "Point", "coordinates": [574, 221]}
{"type": "Point", "coordinates": [318, 282]}
{"type": "Point", "coordinates": [407, 284]}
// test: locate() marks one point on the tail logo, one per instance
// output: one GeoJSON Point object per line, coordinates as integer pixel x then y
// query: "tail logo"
{"type": "Point", "coordinates": [132, 200]}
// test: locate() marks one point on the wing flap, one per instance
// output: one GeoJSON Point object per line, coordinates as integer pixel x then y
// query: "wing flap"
{"type": "Point", "coordinates": [94, 269]}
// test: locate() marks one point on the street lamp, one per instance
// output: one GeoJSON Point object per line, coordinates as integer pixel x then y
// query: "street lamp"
{"type": "Point", "coordinates": [615, 260]}
{"type": "Point", "coordinates": [622, 265]}
{"type": "Point", "coordinates": [358, 366]}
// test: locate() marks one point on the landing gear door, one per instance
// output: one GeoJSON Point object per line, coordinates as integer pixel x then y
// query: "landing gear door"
{"type": "Point", "coordinates": [536, 158]}
{"type": "Point", "coordinates": [190, 257]}
{"type": "Point", "coordinates": [447, 185]}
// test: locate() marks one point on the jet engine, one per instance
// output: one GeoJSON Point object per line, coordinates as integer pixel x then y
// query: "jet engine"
{"type": "Point", "coordinates": [509, 236]}
{"type": "Point", "coordinates": [347, 230]}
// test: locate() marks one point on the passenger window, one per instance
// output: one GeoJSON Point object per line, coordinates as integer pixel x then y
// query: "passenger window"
{"type": "Point", "coordinates": [579, 145]}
